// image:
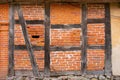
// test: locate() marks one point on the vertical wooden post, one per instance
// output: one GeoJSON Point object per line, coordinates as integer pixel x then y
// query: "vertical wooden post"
{"type": "Point", "coordinates": [84, 39]}
{"type": "Point", "coordinates": [108, 64]}
{"type": "Point", "coordinates": [47, 39]}
{"type": "Point", "coordinates": [27, 41]}
{"type": "Point", "coordinates": [11, 41]}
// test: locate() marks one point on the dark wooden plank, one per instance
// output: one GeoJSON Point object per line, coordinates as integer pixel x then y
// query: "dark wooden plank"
{"type": "Point", "coordinates": [11, 42]}
{"type": "Point", "coordinates": [108, 64]}
{"type": "Point", "coordinates": [65, 48]}
{"type": "Point", "coordinates": [27, 41]}
{"type": "Point", "coordinates": [84, 39]}
{"type": "Point", "coordinates": [96, 47]}
{"type": "Point", "coordinates": [31, 22]}
{"type": "Point", "coordinates": [95, 21]}
{"type": "Point", "coordinates": [33, 2]}
{"type": "Point", "coordinates": [69, 26]}
{"type": "Point", "coordinates": [47, 39]}
{"type": "Point", "coordinates": [23, 47]}
{"type": "Point", "coordinates": [58, 48]}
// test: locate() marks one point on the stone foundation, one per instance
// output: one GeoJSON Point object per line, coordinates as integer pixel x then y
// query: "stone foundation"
{"type": "Point", "coordinates": [71, 77]}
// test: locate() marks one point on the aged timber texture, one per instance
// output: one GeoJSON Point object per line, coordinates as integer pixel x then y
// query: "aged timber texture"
{"type": "Point", "coordinates": [27, 41]}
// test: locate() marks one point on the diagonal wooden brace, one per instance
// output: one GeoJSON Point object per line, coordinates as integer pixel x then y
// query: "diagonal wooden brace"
{"type": "Point", "coordinates": [27, 41]}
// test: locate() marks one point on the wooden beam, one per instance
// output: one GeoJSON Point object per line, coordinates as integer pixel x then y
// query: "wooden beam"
{"type": "Point", "coordinates": [47, 39]}
{"type": "Point", "coordinates": [23, 47]}
{"type": "Point", "coordinates": [84, 39]}
{"type": "Point", "coordinates": [91, 21]}
{"type": "Point", "coordinates": [69, 26]}
{"type": "Point", "coordinates": [65, 48]}
{"type": "Point", "coordinates": [31, 21]}
{"type": "Point", "coordinates": [96, 47]}
{"type": "Point", "coordinates": [27, 41]}
{"type": "Point", "coordinates": [58, 48]}
{"type": "Point", "coordinates": [63, 1]}
{"type": "Point", "coordinates": [108, 64]}
{"type": "Point", "coordinates": [11, 41]}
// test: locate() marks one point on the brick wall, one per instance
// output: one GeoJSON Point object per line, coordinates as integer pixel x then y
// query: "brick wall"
{"type": "Point", "coordinates": [3, 40]}
{"type": "Point", "coordinates": [60, 60]}
{"type": "Point", "coordinates": [95, 37]}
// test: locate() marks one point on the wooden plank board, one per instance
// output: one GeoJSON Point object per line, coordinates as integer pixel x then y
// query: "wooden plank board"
{"type": "Point", "coordinates": [70, 26]}
{"type": "Point", "coordinates": [11, 41]}
{"type": "Point", "coordinates": [108, 64]}
{"type": "Point", "coordinates": [23, 47]}
{"type": "Point", "coordinates": [27, 41]}
{"type": "Point", "coordinates": [47, 39]}
{"type": "Point", "coordinates": [58, 48]}
{"type": "Point", "coordinates": [92, 21]}
{"type": "Point", "coordinates": [65, 48]}
{"type": "Point", "coordinates": [84, 39]}
{"type": "Point", "coordinates": [31, 21]}
{"type": "Point", "coordinates": [96, 47]}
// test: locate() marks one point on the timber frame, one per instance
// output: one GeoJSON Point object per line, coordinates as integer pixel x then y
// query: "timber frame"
{"type": "Point", "coordinates": [107, 47]}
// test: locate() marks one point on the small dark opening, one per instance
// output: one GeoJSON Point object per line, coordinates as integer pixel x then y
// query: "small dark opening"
{"type": "Point", "coordinates": [35, 36]}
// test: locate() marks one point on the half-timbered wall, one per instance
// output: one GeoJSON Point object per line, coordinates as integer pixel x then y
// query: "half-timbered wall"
{"type": "Point", "coordinates": [76, 37]}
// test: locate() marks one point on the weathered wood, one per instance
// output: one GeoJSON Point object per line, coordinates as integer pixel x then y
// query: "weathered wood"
{"type": "Point", "coordinates": [11, 42]}
{"type": "Point", "coordinates": [47, 39]}
{"type": "Point", "coordinates": [95, 21]}
{"type": "Point", "coordinates": [27, 41]}
{"type": "Point", "coordinates": [23, 47]}
{"type": "Point", "coordinates": [65, 48]}
{"type": "Point", "coordinates": [31, 22]}
{"type": "Point", "coordinates": [58, 48]}
{"type": "Point", "coordinates": [84, 39]}
{"type": "Point", "coordinates": [59, 26]}
{"type": "Point", "coordinates": [108, 64]}
{"type": "Point", "coordinates": [65, 1]}
{"type": "Point", "coordinates": [96, 47]}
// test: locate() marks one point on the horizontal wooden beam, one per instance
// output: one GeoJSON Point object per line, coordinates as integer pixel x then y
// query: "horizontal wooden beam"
{"type": "Point", "coordinates": [31, 21]}
{"type": "Point", "coordinates": [96, 47]}
{"type": "Point", "coordinates": [23, 47]}
{"type": "Point", "coordinates": [58, 48]}
{"type": "Point", "coordinates": [55, 48]}
{"type": "Point", "coordinates": [89, 21]}
{"type": "Point", "coordinates": [69, 26]}
{"type": "Point", "coordinates": [68, 1]}
{"type": "Point", "coordinates": [65, 48]}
